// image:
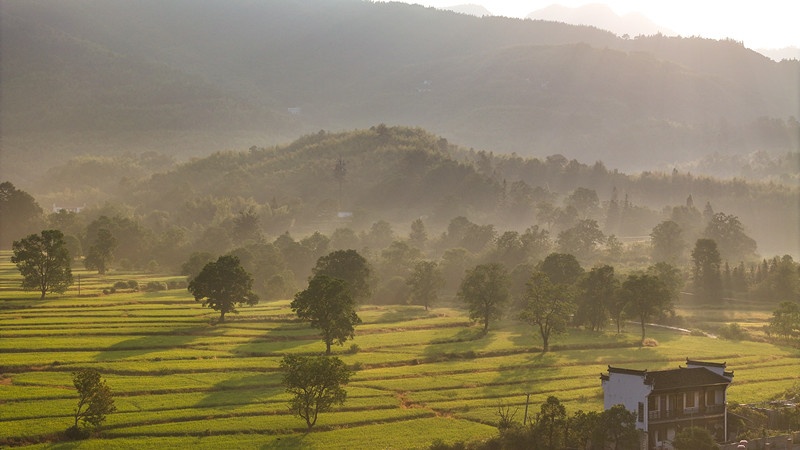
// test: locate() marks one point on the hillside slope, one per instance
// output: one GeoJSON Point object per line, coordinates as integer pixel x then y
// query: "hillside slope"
{"type": "Point", "coordinates": [188, 78]}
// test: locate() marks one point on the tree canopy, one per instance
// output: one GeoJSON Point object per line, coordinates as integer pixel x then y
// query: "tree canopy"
{"type": "Point", "coordinates": [425, 281]}
{"type": "Point", "coordinates": [646, 297]}
{"type": "Point", "coordinates": [95, 400]}
{"type": "Point", "coordinates": [315, 383]}
{"type": "Point", "coordinates": [350, 266]}
{"type": "Point", "coordinates": [548, 306]}
{"type": "Point", "coordinates": [44, 262]}
{"type": "Point", "coordinates": [330, 307]}
{"type": "Point", "coordinates": [223, 284]}
{"type": "Point", "coordinates": [485, 291]}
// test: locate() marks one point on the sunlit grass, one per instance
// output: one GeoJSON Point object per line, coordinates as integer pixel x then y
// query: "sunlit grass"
{"type": "Point", "coordinates": [183, 379]}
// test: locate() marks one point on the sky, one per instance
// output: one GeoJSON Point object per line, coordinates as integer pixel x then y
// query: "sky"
{"type": "Point", "coordinates": [761, 24]}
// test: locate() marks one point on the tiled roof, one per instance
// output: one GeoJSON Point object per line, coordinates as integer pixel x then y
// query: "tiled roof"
{"type": "Point", "coordinates": [683, 377]}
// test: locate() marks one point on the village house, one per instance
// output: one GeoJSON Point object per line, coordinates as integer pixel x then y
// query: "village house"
{"type": "Point", "coordinates": [666, 401]}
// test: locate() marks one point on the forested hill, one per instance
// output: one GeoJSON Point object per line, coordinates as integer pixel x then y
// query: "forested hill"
{"type": "Point", "coordinates": [399, 174]}
{"type": "Point", "coordinates": [188, 78]}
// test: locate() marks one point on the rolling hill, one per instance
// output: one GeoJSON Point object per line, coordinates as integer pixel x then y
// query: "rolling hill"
{"type": "Point", "coordinates": [187, 78]}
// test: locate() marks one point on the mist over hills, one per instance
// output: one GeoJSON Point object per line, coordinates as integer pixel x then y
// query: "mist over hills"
{"type": "Point", "coordinates": [187, 78]}
{"type": "Point", "coordinates": [603, 17]}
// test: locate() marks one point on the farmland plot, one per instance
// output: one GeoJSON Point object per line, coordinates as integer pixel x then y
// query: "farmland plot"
{"type": "Point", "coordinates": [183, 380]}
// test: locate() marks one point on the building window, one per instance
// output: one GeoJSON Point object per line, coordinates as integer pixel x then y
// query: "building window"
{"type": "Point", "coordinates": [641, 412]}
{"type": "Point", "coordinates": [690, 399]}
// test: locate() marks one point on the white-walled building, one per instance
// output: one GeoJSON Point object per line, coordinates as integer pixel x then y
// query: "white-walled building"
{"type": "Point", "coordinates": [666, 401]}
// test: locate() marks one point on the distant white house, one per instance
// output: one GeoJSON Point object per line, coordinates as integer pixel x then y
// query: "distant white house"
{"type": "Point", "coordinates": [73, 209]}
{"type": "Point", "coordinates": [666, 401]}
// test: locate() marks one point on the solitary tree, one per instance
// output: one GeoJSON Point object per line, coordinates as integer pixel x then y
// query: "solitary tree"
{"type": "Point", "coordinates": [349, 266]}
{"type": "Point", "coordinates": [425, 282]}
{"type": "Point", "coordinates": [646, 297]}
{"type": "Point", "coordinates": [44, 262]}
{"type": "Point", "coordinates": [222, 285]}
{"type": "Point", "coordinates": [547, 306]}
{"type": "Point", "coordinates": [329, 306]}
{"type": "Point", "coordinates": [316, 384]}
{"type": "Point", "coordinates": [485, 291]}
{"type": "Point", "coordinates": [95, 399]}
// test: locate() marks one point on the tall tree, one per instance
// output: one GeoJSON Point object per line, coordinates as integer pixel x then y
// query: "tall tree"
{"type": "Point", "coordinates": [785, 320]}
{"type": "Point", "coordinates": [728, 232]}
{"type": "Point", "coordinates": [95, 400]}
{"type": "Point", "coordinates": [548, 306]}
{"type": "Point", "coordinates": [561, 268]}
{"type": "Point", "coordinates": [646, 297]}
{"type": "Point", "coordinates": [44, 262]}
{"type": "Point", "coordinates": [485, 291]}
{"type": "Point", "coordinates": [223, 284]}
{"type": "Point", "coordinates": [425, 281]}
{"type": "Point", "coordinates": [582, 240]}
{"type": "Point", "coordinates": [329, 306]}
{"type": "Point", "coordinates": [19, 213]}
{"type": "Point", "coordinates": [598, 289]}
{"type": "Point", "coordinates": [706, 275]}
{"type": "Point", "coordinates": [349, 266]}
{"type": "Point", "coordinates": [101, 252]}
{"type": "Point", "coordinates": [418, 235]}
{"type": "Point", "coordinates": [668, 243]}
{"type": "Point", "coordinates": [315, 383]}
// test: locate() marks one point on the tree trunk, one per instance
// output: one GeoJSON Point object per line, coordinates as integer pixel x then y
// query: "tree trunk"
{"type": "Point", "coordinates": [486, 325]}
{"type": "Point", "coordinates": [642, 330]}
{"type": "Point", "coordinates": [44, 291]}
{"type": "Point", "coordinates": [222, 316]}
{"type": "Point", "coordinates": [327, 347]}
{"type": "Point", "coordinates": [545, 344]}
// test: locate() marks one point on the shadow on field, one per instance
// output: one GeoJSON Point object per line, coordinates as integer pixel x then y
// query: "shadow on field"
{"type": "Point", "coordinates": [404, 314]}
{"type": "Point", "coordinates": [463, 344]}
{"type": "Point", "coordinates": [147, 344]}
{"type": "Point", "coordinates": [293, 441]}
{"type": "Point", "coordinates": [278, 340]}
{"type": "Point", "coordinates": [244, 389]}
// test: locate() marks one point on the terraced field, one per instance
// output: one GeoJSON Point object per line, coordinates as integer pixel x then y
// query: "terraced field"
{"type": "Point", "coordinates": [182, 380]}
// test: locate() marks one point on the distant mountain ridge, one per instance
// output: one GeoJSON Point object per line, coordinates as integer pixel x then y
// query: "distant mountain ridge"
{"type": "Point", "coordinates": [603, 17]}
{"type": "Point", "coordinates": [189, 78]}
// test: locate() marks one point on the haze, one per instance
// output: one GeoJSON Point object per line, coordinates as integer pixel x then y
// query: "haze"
{"type": "Point", "coordinates": [769, 24]}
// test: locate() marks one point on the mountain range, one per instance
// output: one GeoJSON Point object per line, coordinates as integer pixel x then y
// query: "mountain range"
{"type": "Point", "coordinates": [189, 78]}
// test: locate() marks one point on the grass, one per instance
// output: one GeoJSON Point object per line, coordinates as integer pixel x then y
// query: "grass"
{"type": "Point", "coordinates": [183, 380]}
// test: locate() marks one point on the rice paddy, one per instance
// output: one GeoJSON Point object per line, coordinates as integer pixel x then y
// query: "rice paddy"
{"type": "Point", "coordinates": [181, 379]}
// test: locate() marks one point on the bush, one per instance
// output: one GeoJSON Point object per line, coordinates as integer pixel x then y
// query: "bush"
{"type": "Point", "coordinates": [152, 286]}
{"type": "Point", "coordinates": [133, 284]}
{"type": "Point", "coordinates": [76, 433]}
{"type": "Point", "coordinates": [177, 284]}
{"type": "Point", "coordinates": [733, 332]}
{"type": "Point", "coordinates": [120, 285]}
{"type": "Point", "coordinates": [354, 348]}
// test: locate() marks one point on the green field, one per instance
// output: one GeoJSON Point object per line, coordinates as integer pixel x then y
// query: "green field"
{"type": "Point", "coordinates": [181, 380]}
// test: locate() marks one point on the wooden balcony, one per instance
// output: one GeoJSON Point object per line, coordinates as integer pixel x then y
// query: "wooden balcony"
{"type": "Point", "coordinates": [686, 413]}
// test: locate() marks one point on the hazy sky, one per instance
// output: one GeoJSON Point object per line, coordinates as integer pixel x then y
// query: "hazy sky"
{"type": "Point", "coordinates": [759, 24]}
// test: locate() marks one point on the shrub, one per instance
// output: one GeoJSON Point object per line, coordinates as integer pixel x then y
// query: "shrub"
{"type": "Point", "coordinates": [354, 348]}
{"type": "Point", "coordinates": [177, 284]}
{"type": "Point", "coordinates": [155, 286]}
{"type": "Point", "coordinates": [733, 332]}
{"type": "Point", "coordinates": [76, 433]}
{"type": "Point", "coordinates": [120, 285]}
{"type": "Point", "coordinates": [133, 284]}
